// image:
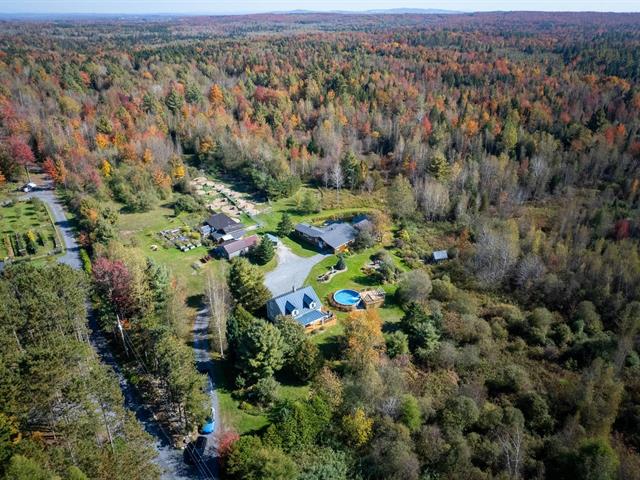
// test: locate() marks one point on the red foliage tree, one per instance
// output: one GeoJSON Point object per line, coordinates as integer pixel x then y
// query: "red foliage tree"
{"type": "Point", "coordinates": [226, 439]}
{"type": "Point", "coordinates": [114, 283]}
{"type": "Point", "coordinates": [21, 152]}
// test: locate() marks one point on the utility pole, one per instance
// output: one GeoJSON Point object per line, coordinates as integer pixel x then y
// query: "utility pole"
{"type": "Point", "coordinates": [124, 344]}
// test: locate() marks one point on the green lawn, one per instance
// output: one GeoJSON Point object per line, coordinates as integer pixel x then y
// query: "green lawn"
{"type": "Point", "coordinates": [22, 218]}
{"type": "Point", "coordinates": [271, 217]}
{"type": "Point", "coordinates": [354, 279]}
{"type": "Point", "coordinates": [143, 228]}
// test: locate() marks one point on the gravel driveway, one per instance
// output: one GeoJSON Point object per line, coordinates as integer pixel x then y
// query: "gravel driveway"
{"type": "Point", "coordinates": [47, 194]}
{"type": "Point", "coordinates": [292, 270]}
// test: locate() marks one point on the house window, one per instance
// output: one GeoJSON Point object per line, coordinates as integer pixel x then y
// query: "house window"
{"type": "Point", "coordinates": [312, 305]}
{"type": "Point", "coordinates": [295, 313]}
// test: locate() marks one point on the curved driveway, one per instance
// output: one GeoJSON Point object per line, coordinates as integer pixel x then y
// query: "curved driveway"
{"type": "Point", "coordinates": [292, 270]}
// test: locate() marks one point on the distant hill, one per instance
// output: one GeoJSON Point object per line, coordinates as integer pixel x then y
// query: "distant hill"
{"type": "Point", "coordinates": [387, 11]}
{"type": "Point", "coordinates": [413, 11]}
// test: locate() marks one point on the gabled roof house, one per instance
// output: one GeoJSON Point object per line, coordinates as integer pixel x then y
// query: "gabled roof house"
{"type": "Point", "coordinates": [223, 228]}
{"type": "Point", "coordinates": [233, 248]}
{"type": "Point", "coordinates": [335, 237]}
{"type": "Point", "coordinates": [302, 305]}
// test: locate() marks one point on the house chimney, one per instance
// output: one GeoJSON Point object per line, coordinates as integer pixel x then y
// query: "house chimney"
{"type": "Point", "coordinates": [293, 289]}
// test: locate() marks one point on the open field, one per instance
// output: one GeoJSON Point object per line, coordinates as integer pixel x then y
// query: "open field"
{"type": "Point", "coordinates": [142, 230]}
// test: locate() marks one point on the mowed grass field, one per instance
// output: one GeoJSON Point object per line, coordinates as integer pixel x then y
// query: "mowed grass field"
{"type": "Point", "coordinates": [142, 230]}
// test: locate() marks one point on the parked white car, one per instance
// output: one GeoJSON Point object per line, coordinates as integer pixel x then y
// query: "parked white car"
{"type": "Point", "coordinates": [29, 187]}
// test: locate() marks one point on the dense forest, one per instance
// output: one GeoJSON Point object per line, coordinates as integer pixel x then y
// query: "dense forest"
{"type": "Point", "coordinates": [516, 134]}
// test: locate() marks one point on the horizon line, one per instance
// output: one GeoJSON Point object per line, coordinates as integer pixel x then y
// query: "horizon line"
{"type": "Point", "coordinates": [388, 11]}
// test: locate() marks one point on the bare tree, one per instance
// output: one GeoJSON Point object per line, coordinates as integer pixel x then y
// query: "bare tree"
{"type": "Point", "coordinates": [512, 444]}
{"type": "Point", "coordinates": [433, 198]}
{"type": "Point", "coordinates": [337, 178]}
{"type": "Point", "coordinates": [496, 254]}
{"type": "Point", "coordinates": [218, 301]}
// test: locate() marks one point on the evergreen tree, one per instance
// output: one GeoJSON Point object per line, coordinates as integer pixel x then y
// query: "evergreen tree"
{"type": "Point", "coordinates": [263, 252]}
{"type": "Point", "coordinates": [285, 226]}
{"type": "Point", "coordinates": [400, 198]}
{"type": "Point", "coordinates": [174, 101]}
{"type": "Point", "coordinates": [192, 94]}
{"type": "Point", "coordinates": [246, 283]}
{"type": "Point", "coordinates": [261, 350]}
{"type": "Point", "coordinates": [439, 166]}
{"type": "Point", "coordinates": [353, 170]}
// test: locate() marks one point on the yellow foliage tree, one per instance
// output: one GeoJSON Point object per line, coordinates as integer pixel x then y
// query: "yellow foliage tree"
{"type": "Point", "coordinates": [357, 427]}
{"type": "Point", "coordinates": [363, 333]}
{"type": "Point", "coordinates": [147, 156]}
{"type": "Point", "coordinates": [177, 168]}
{"type": "Point", "coordinates": [106, 168]}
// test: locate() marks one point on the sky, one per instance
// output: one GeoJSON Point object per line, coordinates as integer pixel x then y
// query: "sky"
{"type": "Point", "coordinates": [252, 6]}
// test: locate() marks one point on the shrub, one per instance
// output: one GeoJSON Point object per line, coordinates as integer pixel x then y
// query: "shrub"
{"type": "Point", "coordinates": [414, 287]}
{"type": "Point", "coordinates": [397, 344]}
{"type": "Point", "coordinates": [265, 391]}
{"type": "Point", "coordinates": [509, 379]}
{"type": "Point", "coordinates": [443, 290]}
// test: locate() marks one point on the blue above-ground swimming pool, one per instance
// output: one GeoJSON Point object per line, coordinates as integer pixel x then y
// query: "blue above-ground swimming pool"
{"type": "Point", "coordinates": [348, 298]}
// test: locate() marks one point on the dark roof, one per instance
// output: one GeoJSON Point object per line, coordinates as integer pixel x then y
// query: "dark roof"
{"type": "Point", "coordinates": [220, 221]}
{"type": "Point", "coordinates": [361, 221]}
{"type": "Point", "coordinates": [297, 300]}
{"type": "Point", "coordinates": [233, 246]}
{"type": "Point", "coordinates": [334, 235]}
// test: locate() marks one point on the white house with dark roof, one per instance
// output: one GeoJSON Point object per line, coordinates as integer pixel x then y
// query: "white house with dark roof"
{"type": "Point", "coordinates": [302, 305]}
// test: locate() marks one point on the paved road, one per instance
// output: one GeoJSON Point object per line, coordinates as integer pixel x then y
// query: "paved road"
{"type": "Point", "coordinates": [292, 270]}
{"type": "Point", "coordinates": [169, 459]}
{"type": "Point", "coordinates": [47, 194]}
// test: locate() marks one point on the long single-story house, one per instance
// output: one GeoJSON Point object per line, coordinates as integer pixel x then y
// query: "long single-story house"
{"type": "Point", "coordinates": [335, 237]}
{"type": "Point", "coordinates": [233, 248]}
{"type": "Point", "coordinates": [222, 228]}
{"type": "Point", "coordinates": [302, 305]}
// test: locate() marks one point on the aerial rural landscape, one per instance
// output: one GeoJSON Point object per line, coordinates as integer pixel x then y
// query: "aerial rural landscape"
{"type": "Point", "coordinates": [376, 245]}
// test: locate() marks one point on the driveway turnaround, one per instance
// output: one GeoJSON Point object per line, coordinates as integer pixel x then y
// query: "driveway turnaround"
{"type": "Point", "coordinates": [292, 270]}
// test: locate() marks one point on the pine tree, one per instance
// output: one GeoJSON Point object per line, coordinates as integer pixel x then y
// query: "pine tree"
{"type": "Point", "coordinates": [174, 101]}
{"type": "Point", "coordinates": [246, 283]}
{"type": "Point", "coordinates": [400, 198]}
{"type": "Point", "coordinates": [193, 94]}
{"type": "Point", "coordinates": [285, 226]}
{"type": "Point", "coordinates": [263, 252]}
{"type": "Point", "coordinates": [439, 166]}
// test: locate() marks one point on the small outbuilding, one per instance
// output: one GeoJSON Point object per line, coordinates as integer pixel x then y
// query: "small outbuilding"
{"type": "Point", "coordinates": [439, 256]}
